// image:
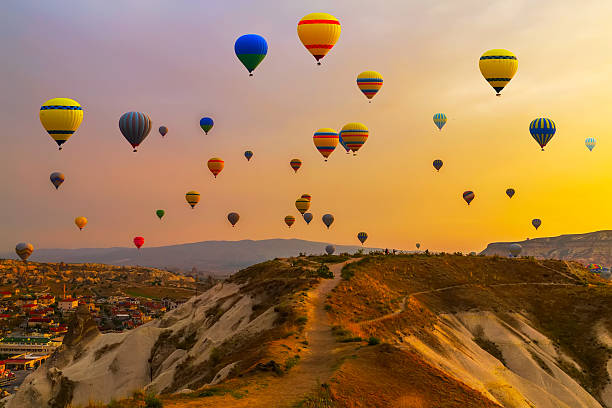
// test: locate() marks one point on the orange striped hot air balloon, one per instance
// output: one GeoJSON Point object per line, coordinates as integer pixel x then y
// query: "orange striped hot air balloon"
{"type": "Point", "coordinates": [354, 135]}
{"type": "Point", "coordinates": [319, 33]}
{"type": "Point", "coordinates": [325, 140]}
{"type": "Point", "coordinates": [302, 205]}
{"type": "Point", "coordinates": [295, 164]}
{"type": "Point", "coordinates": [289, 220]}
{"type": "Point", "coordinates": [215, 165]}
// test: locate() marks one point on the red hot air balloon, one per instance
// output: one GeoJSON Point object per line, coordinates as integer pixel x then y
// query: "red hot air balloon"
{"type": "Point", "coordinates": [138, 241]}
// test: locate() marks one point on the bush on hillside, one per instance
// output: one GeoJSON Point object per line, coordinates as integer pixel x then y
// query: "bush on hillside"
{"type": "Point", "coordinates": [324, 272]}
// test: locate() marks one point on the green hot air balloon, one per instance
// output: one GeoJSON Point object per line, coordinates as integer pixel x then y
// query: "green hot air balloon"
{"type": "Point", "coordinates": [160, 214]}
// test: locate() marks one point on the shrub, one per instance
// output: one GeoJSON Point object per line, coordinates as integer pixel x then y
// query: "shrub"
{"type": "Point", "coordinates": [151, 401]}
{"type": "Point", "coordinates": [373, 341]}
{"type": "Point", "coordinates": [301, 320]}
{"type": "Point", "coordinates": [324, 272]}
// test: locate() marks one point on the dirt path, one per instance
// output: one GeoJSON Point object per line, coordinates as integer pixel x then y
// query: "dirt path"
{"type": "Point", "coordinates": [314, 368]}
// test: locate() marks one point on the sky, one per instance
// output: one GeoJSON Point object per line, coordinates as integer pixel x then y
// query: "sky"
{"type": "Point", "coordinates": [174, 60]}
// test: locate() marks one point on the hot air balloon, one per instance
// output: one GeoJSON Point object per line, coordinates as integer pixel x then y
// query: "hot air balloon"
{"type": "Point", "coordinates": [330, 249]}
{"type": "Point", "coordinates": [295, 164]}
{"type": "Point", "coordinates": [307, 196]}
{"type": "Point", "coordinates": [138, 241]}
{"type": "Point", "coordinates": [328, 220]}
{"type": "Point", "coordinates": [510, 192]}
{"type": "Point", "coordinates": [369, 82]}
{"type": "Point", "coordinates": [362, 236]}
{"type": "Point", "coordinates": [354, 135]}
{"type": "Point", "coordinates": [542, 130]}
{"type": "Point", "coordinates": [61, 117]}
{"type": "Point", "coordinates": [233, 218]}
{"type": "Point", "coordinates": [498, 67]}
{"type": "Point", "coordinates": [536, 222]}
{"type": "Point", "coordinates": [437, 164]}
{"type": "Point", "coordinates": [418, 245]}
{"type": "Point", "coordinates": [515, 250]}
{"type": "Point", "coordinates": [57, 179]}
{"type": "Point", "coordinates": [341, 141]}
{"type": "Point", "coordinates": [206, 124]}
{"type": "Point", "coordinates": [248, 154]}
{"type": "Point", "coordinates": [440, 120]}
{"type": "Point", "coordinates": [251, 49]}
{"type": "Point", "coordinates": [325, 140]}
{"type": "Point", "coordinates": [590, 143]}
{"type": "Point", "coordinates": [163, 130]}
{"type": "Point", "coordinates": [307, 217]}
{"type": "Point", "coordinates": [302, 205]}
{"type": "Point", "coordinates": [215, 165]}
{"type": "Point", "coordinates": [135, 127]}
{"type": "Point", "coordinates": [24, 250]}
{"type": "Point", "coordinates": [319, 33]}
{"type": "Point", "coordinates": [192, 197]}
{"type": "Point", "coordinates": [468, 196]}
{"type": "Point", "coordinates": [289, 220]}
{"type": "Point", "coordinates": [80, 222]}
{"type": "Point", "coordinates": [160, 214]}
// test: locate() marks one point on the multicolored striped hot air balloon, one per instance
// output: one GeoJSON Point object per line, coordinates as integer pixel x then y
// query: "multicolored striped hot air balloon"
{"type": "Point", "coordinates": [510, 192]}
{"type": "Point", "coordinates": [248, 154]}
{"type": "Point", "coordinates": [80, 222]}
{"type": "Point", "coordinates": [206, 124]}
{"type": "Point", "coordinates": [328, 220]}
{"type": "Point", "coordinates": [192, 197]}
{"type": "Point", "coordinates": [160, 214]}
{"type": "Point", "coordinates": [24, 250]}
{"type": "Point", "coordinates": [61, 117]}
{"type": "Point", "coordinates": [498, 67]}
{"type": "Point", "coordinates": [302, 205]}
{"type": "Point", "coordinates": [289, 220]}
{"type": "Point", "coordinates": [438, 164]}
{"type": "Point", "coordinates": [307, 217]}
{"type": "Point", "coordinates": [295, 164]}
{"type": "Point", "coordinates": [319, 32]}
{"type": "Point", "coordinates": [135, 127]}
{"type": "Point", "coordinates": [440, 120]}
{"type": "Point", "coordinates": [468, 196]}
{"type": "Point", "coordinates": [233, 218]}
{"type": "Point", "coordinates": [138, 242]}
{"type": "Point", "coordinates": [325, 140]}
{"type": "Point", "coordinates": [362, 236]}
{"type": "Point", "coordinates": [251, 49]}
{"type": "Point", "coordinates": [542, 130]}
{"type": "Point", "coordinates": [536, 222]}
{"type": "Point", "coordinates": [515, 250]}
{"type": "Point", "coordinates": [215, 165]}
{"type": "Point", "coordinates": [369, 82]}
{"type": "Point", "coordinates": [341, 141]}
{"type": "Point", "coordinates": [590, 143]}
{"type": "Point", "coordinates": [57, 179]}
{"type": "Point", "coordinates": [163, 130]}
{"type": "Point", "coordinates": [354, 135]}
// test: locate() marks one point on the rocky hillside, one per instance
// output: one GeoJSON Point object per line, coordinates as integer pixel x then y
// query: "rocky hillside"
{"type": "Point", "coordinates": [593, 247]}
{"type": "Point", "coordinates": [416, 330]}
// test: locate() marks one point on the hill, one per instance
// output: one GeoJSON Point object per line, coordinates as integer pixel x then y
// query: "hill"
{"type": "Point", "coordinates": [416, 330]}
{"type": "Point", "coordinates": [215, 257]}
{"type": "Point", "coordinates": [592, 247]}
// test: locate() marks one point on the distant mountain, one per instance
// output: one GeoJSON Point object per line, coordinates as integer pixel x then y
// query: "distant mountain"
{"type": "Point", "coordinates": [592, 247]}
{"type": "Point", "coordinates": [216, 257]}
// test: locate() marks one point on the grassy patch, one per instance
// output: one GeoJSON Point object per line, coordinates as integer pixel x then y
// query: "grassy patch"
{"type": "Point", "coordinates": [291, 362]}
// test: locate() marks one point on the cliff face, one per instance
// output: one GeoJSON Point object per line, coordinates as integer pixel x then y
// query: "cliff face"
{"type": "Point", "coordinates": [593, 247]}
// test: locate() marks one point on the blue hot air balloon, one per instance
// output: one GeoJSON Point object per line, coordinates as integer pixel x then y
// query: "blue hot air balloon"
{"type": "Point", "coordinates": [328, 219]}
{"type": "Point", "coordinates": [206, 124]}
{"type": "Point", "coordinates": [251, 49]}
{"type": "Point", "coordinates": [307, 217]}
{"type": "Point", "coordinates": [440, 120]}
{"type": "Point", "coordinates": [542, 130]}
{"type": "Point", "coordinates": [343, 144]}
{"type": "Point", "coordinates": [536, 222]}
{"type": "Point", "coordinates": [248, 154]}
{"type": "Point", "coordinates": [437, 164]}
{"type": "Point", "coordinates": [590, 143]}
{"type": "Point", "coordinates": [135, 127]}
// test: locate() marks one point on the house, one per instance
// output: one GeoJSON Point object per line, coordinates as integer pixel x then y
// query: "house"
{"type": "Point", "coordinates": [39, 322]}
{"type": "Point", "coordinates": [67, 304]}
{"type": "Point", "coordinates": [23, 344]}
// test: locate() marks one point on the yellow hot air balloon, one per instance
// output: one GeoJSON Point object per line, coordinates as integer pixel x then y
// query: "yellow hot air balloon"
{"type": "Point", "coordinates": [302, 205]}
{"type": "Point", "coordinates": [498, 67]}
{"type": "Point", "coordinates": [319, 33]}
{"type": "Point", "coordinates": [354, 136]}
{"type": "Point", "coordinates": [215, 165]}
{"type": "Point", "coordinates": [289, 220]}
{"type": "Point", "coordinates": [80, 222]}
{"type": "Point", "coordinates": [61, 117]}
{"type": "Point", "coordinates": [192, 197]}
{"type": "Point", "coordinates": [369, 82]}
{"type": "Point", "coordinates": [325, 140]}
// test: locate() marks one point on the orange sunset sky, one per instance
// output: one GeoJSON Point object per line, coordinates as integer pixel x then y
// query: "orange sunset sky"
{"type": "Point", "coordinates": [174, 60]}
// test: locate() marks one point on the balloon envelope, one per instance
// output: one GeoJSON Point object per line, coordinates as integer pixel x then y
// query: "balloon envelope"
{"type": "Point", "coordinates": [24, 250]}
{"type": "Point", "coordinates": [192, 197]}
{"type": "Point", "coordinates": [289, 220]}
{"type": "Point", "coordinates": [342, 143]}
{"type": "Point", "coordinates": [536, 222]}
{"type": "Point", "coordinates": [590, 143]}
{"type": "Point", "coordinates": [498, 67]}
{"type": "Point", "coordinates": [325, 140]}
{"type": "Point", "coordinates": [542, 130]}
{"type": "Point", "coordinates": [160, 214]}
{"type": "Point", "coordinates": [319, 32]}
{"type": "Point", "coordinates": [206, 124]}
{"type": "Point", "coordinates": [307, 217]}
{"type": "Point", "coordinates": [369, 82]}
{"type": "Point", "coordinates": [57, 179]}
{"type": "Point", "coordinates": [438, 164]}
{"type": "Point", "coordinates": [248, 154]}
{"type": "Point", "coordinates": [163, 130]}
{"type": "Point", "coordinates": [330, 249]}
{"type": "Point", "coordinates": [510, 192]}
{"type": "Point", "coordinates": [362, 236]}
{"type": "Point", "coordinates": [135, 127]}
{"type": "Point", "coordinates": [215, 165]}
{"type": "Point", "coordinates": [468, 196]}
{"type": "Point", "coordinates": [328, 220]}
{"type": "Point", "coordinates": [302, 205]}
{"type": "Point", "coordinates": [418, 245]}
{"type": "Point", "coordinates": [354, 135]}
{"type": "Point", "coordinates": [295, 164]}
{"type": "Point", "coordinates": [61, 117]}
{"type": "Point", "coordinates": [251, 49]}
{"type": "Point", "coordinates": [515, 250]}
{"type": "Point", "coordinates": [80, 222]}
{"type": "Point", "coordinates": [138, 241]}
{"type": "Point", "coordinates": [233, 218]}
{"type": "Point", "coordinates": [440, 120]}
